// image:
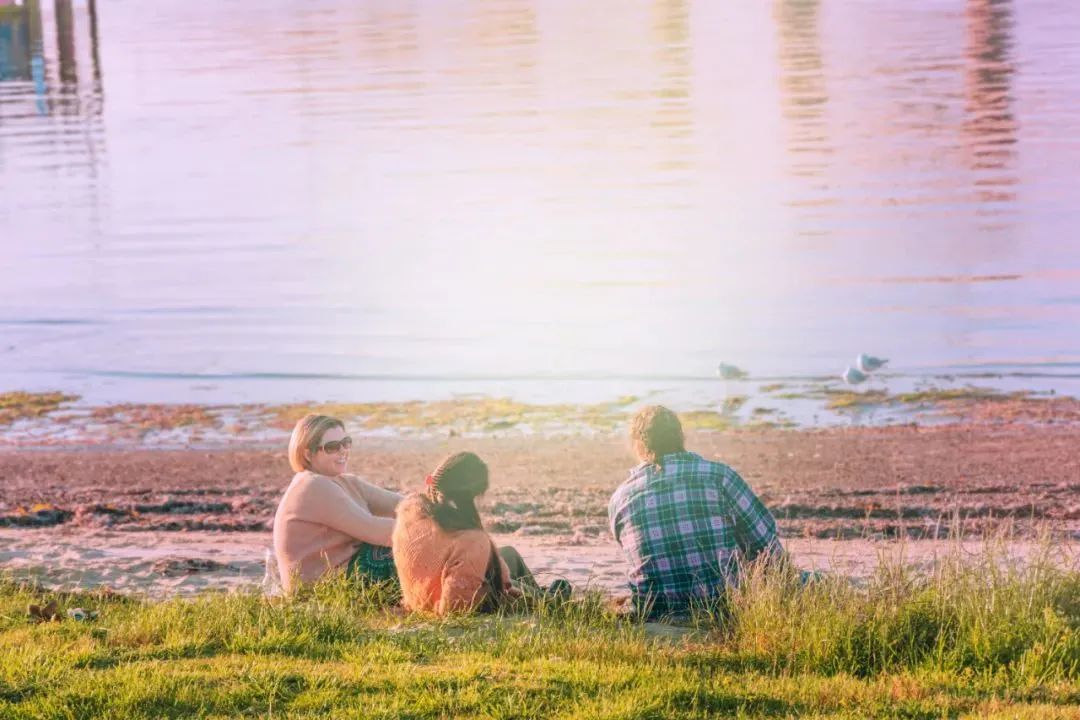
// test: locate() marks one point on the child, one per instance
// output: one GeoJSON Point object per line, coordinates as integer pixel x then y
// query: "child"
{"type": "Point", "coordinates": [444, 558]}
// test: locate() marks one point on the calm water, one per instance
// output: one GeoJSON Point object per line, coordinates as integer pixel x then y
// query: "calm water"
{"type": "Point", "coordinates": [265, 200]}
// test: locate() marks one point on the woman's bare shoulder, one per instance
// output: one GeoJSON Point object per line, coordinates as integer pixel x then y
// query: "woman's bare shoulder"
{"type": "Point", "coordinates": [306, 481]}
{"type": "Point", "coordinates": [309, 476]}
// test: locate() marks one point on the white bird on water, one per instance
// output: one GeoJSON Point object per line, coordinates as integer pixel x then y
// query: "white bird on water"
{"type": "Point", "coordinates": [730, 372]}
{"type": "Point", "coordinates": [868, 363]}
{"type": "Point", "coordinates": [854, 376]}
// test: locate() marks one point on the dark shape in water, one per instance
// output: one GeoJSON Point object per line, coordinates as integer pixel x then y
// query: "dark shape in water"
{"type": "Point", "coordinates": [730, 372]}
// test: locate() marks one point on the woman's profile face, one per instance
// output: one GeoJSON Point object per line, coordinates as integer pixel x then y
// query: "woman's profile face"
{"type": "Point", "coordinates": [330, 461]}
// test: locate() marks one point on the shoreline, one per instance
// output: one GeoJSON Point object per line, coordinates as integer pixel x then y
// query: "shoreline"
{"type": "Point", "coordinates": [55, 419]}
{"type": "Point", "coordinates": [906, 481]}
{"type": "Point", "coordinates": [856, 491]}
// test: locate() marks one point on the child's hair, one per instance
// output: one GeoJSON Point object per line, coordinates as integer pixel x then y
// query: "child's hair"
{"type": "Point", "coordinates": [452, 490]}
{"type": "Point", "coordinates": [656, 432]}
{"type": "Point", "coordinates": [307, 435]}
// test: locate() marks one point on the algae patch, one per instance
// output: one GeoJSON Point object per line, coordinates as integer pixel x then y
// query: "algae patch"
{"type": "Point", "coordinates": [23, 405]}
{"type": "Point", "coordinates": [705, 420]}
{"type": "Point", "coordinates": [472, 414]}
{"type": "Point", "coordinates": [933, 398]}
{"type": "Point", "coordinates": [146, 418]}
{"type": "Point", "coordinates": [843, 399]}
{"type": "Point", "coordinates": [132, 421]}
{"type": "Point", "coordinates": [970, 394]}
{"type": "Point", "coordinates": [734, 403]}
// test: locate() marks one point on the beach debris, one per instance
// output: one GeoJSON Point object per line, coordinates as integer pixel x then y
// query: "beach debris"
{"type": "Point", "coordinates": [730, 372]}
{"type": "Point", "coordinates": [173, 567]}
{"type": "Point", "coordinates": [183, 507]}
{"type": "Point", "coordinates": [733, 404]}
{"type": "Point", "coordinates": [405, 629]}
{"type": "Point", "coordinates": [40, 515]}
{"type": "Point", "coordinates": [79, 615]}
{"type": "Point", "coordinates": [103, 514]}
{"type": "Point", "coordinates": [43, 613]}
{"type": "Point", "coordinates": [578, 538]}
{"type": "Point", "coordinates": [868, 363]}
{"type": "Point", "coordinates": [525, 530]}
{"type": "Point", "coordinates": [672, 629]}
{"type": "Point", "coordinates": [271, 582]}
{"type": "Point", "coordinates": [853, 376]}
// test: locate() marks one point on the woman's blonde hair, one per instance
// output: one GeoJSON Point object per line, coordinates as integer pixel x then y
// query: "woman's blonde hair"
{"type": "Point", "coordinates": [656, 432]}
{"type": "Point", "coordinates": [307, 435]}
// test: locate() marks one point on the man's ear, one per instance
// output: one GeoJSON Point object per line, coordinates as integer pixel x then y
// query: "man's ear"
{"type": "Point", "coordinates": [307, 457]}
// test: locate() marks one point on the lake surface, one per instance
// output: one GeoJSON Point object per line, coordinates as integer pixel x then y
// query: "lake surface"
{"type": "Point", "coordinates": [269, 201]}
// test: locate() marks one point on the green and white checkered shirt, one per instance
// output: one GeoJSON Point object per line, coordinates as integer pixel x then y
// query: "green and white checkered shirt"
{"type": "Point", "coordinates": [685, 526]}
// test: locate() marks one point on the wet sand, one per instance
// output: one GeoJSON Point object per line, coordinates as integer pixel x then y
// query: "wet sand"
{"type": "Point", "coordinates": [161, 564]}
{"type": "Point", "coordinates": [166, 521]}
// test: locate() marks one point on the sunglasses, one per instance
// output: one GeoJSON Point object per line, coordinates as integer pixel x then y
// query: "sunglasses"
{"type": "Point", "coordinates": [335, 446]}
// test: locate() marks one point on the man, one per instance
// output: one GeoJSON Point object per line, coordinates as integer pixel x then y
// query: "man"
{"type": "Point", "coordinates": [685, 524]}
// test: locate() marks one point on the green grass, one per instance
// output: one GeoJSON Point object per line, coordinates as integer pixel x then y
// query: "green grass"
{"type": "Point", "coordinates": [971, 638]}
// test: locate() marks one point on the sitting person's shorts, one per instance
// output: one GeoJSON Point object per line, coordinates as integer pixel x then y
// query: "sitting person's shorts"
{"type": "Point", "coordinates": [372, 563]}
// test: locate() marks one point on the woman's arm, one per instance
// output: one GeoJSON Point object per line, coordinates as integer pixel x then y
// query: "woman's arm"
{"type": "Point", "coordinates": [328, 504]}
{"type": "Point", "coordinates": [382, 502]}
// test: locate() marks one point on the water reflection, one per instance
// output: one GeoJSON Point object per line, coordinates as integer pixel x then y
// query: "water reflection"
{"type": "Point", "coordinates": [803, 89]}
{"type": "Point", "coordinates": [597, 167]}
{"type": "Point", "coordinates": [673, 117]}
{"type": "Point", "coordinates": [804, 100]}
{"type": "Point", "coordinates": [51, 123]}
{"type": "Point", "coordinates": [65, 44]}
{"type": "Point", "coordinates": [991, 125]}
{"type": "Point", "coordinates": [24, 47]}
{"type": "Point", "coordinates": [21, 51]}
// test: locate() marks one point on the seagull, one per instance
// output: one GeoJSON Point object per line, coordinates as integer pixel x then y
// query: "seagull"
{"type": "Point", "coordinates": [868, 363]}
{"type": "Point", "coordinates": [853, 376]}
{"type": "Point", "coordinates": [730, 372]}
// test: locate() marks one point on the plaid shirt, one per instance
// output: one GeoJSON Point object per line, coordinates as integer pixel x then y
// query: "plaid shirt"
{"type": "Point", "coordinates": [684, 528]}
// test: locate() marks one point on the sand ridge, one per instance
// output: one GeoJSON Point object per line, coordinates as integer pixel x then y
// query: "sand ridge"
{"type": "Point", "coordinates": [848, 482]}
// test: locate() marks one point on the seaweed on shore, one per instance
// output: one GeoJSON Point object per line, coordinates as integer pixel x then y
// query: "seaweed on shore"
{"type": "Point", "coordinates": [23, 405]}
{"type": "Point", "coordinates": [471, 414]}
{"type": "Point", "coordinates": [930, 397]}
{"type": "Point", "coordinates": [706, 420]}
{"type": "Point", "coordinates": [132, 420]}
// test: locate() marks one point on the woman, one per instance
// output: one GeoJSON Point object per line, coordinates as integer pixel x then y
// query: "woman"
{"type": "Point", "coordinates": [444, 558]}
{"type": "Point", "coordinates": [328, 520]}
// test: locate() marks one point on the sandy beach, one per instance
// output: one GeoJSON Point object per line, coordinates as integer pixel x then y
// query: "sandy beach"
{"type": "Point", "coordinates": [163, 564]}
{"type": "Point", "coordinates": [163, 522]}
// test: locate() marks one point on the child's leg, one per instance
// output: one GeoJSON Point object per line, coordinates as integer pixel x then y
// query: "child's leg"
{"type": "Point", "coordinates": [520, 575]}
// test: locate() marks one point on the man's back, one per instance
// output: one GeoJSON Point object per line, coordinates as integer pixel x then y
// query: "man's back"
{"type": "Point", "coordinates": [685, 527]}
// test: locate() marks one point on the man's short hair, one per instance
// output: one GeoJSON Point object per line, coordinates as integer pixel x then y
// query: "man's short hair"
{"type": "Point", "coordinates": [656, 432]}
